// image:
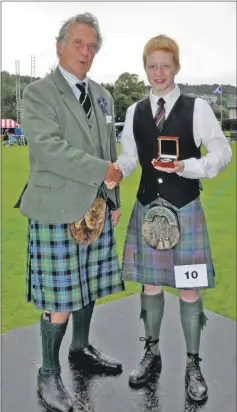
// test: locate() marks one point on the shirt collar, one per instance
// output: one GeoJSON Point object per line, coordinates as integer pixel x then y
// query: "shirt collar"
{"type": "Point", "coordinates": [71, 78]}
{"type": "Point", "coordinates": [169, 98]}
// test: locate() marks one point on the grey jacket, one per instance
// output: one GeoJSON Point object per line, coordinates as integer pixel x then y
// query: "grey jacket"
{"type": "Point", "coordinates": [65, 173]}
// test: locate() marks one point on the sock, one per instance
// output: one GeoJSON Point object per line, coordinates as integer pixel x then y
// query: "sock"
{"type": "Point", "coordinates": [52, 335]}
{"type": "Point", "coordinates": [81, 320]}
{"type": "Point", "coordinates": [193, 320]}
{"type": "Point", "coordinates": [152, 310]}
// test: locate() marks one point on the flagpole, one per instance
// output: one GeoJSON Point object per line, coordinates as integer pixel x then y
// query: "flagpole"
{"type": "Point", "coordinates": [221, 106]}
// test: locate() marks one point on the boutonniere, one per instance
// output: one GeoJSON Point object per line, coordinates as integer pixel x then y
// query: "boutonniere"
{"type": "Point", "coordinates": [103, 104]}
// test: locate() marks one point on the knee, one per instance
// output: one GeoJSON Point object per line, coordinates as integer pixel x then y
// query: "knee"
{"type": "Point", "coordinates": [152, 290]}
{"type": "Point", "coordinates": [191, 295]}
{"type": "Point", "coordinates": [56, 317]}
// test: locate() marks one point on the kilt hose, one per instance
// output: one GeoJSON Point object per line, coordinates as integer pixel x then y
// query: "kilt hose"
{"type": "Point", "coordinates": [145, 265]}
{"type": "Point", "coordinates": [63, 276]}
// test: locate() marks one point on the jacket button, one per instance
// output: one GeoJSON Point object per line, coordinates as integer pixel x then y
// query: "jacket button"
{"type": "Point", "coordinates": [160, 180]}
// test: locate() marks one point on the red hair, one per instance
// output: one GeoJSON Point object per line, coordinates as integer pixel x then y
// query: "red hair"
{"type": "Point", "coordinates": [164, 43]}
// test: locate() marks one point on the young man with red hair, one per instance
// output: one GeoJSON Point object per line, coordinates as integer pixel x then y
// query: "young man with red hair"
{"type": "Point", "coordinates": [167, 112]}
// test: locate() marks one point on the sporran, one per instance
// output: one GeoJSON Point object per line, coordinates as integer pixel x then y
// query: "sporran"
{"type": "Point", "coordinates": [88, 229]}
{"type": "Point", "coordinates": [161, 227]}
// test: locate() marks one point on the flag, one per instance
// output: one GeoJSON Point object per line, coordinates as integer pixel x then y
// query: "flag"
{"type": "Point", "coordinates": [218, 90]}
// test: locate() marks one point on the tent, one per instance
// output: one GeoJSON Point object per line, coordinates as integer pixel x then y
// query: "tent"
{"type": "Point", "coordinates": [8, 124]}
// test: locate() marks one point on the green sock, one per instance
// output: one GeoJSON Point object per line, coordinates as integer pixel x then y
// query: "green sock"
{"type": "Point", "coordinates": [81, 320]}
{"type": "Point", "coordinates": [193, 320]}
{"type": "Point", "coordinates": [152, 310]}
{"type": "Point", "coordinates": [52, 335]}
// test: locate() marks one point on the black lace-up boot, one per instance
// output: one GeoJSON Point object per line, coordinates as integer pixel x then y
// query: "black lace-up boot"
{"type": "Point", "coordinates": [53, 394]}
{"type": "Point", "coordinates": [195, 382]}
{"type": "Point", "coordinates": [50, 388]}
{"type": "Point", "coordinates": [149, 364]}
{"type": "Point", "coordinates": [152, 310]}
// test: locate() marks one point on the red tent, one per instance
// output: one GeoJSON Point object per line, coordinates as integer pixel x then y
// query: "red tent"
{"type": "Point", "coordinates": [8, 124]}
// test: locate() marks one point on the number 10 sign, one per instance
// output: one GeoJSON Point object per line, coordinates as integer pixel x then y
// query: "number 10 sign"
{"type": "Point", "coordinates": [191, 276]}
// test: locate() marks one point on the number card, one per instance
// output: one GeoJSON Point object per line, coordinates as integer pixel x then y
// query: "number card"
{"type": "Point", "coordinates": [191, 276]}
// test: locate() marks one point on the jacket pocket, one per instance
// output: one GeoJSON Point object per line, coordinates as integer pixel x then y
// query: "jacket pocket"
{"type": "Point", "coordinates": [46, 179]}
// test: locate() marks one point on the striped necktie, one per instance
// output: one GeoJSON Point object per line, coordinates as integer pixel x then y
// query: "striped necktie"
{"type": "Point", "coordinates": [84, 99]}
{"type": "Point", "coordinates": [160, 114]}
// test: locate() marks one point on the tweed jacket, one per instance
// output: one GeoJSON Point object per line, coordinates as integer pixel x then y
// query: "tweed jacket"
{"type": "Point", "coordinates": [65, 172]}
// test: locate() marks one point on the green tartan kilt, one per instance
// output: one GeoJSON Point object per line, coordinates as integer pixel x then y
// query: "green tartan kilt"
{"type": "Point", "coordinates": [63, 276]}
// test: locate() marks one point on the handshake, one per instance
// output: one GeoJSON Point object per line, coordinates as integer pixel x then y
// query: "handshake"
{"type": "Point", "coordinates": [113, 176]}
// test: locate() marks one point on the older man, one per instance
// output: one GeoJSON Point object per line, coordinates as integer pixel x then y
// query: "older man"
{"type": "Point", "coordinates": [69, 126]}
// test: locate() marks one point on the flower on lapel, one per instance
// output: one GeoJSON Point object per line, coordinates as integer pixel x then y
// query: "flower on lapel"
{"type": "Point", "coordinates": [103, 104]}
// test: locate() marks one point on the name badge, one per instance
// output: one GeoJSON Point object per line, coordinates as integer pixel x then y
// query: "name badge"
{"type": "Point", "coordinates": [191, 276]}
{"type": "Point", "coordinates": [108, 119]}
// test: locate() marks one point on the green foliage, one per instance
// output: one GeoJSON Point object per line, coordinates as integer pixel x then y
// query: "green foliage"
{"type": "Point", "coordinates": [128, 83]}
{"type": "Point", "coordinates": [217, 111]}
{"type": "Point", "coordinates": [229, 124]}
{"type": "Point", "coordinates": [126, 90]}
{"type": "Point", "coordinates": [8, 93]}
{"type": "Point", "coordinates": [109, 87]}
{"type": "Point", "coordinates": [225, 113]}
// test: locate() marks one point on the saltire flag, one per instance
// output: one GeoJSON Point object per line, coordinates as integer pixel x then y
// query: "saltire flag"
{"type": "Point", "coordinates": [218, 90]}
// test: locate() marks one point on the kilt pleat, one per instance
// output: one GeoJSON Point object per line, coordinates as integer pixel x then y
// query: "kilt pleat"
{"type": "Point", "coordinates": [63, 276]}
{"type": "Point", "coordinates": [145, 265]}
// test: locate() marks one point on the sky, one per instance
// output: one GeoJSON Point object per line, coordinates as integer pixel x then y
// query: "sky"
{"type": "Point", "coordinates": [205, 32]}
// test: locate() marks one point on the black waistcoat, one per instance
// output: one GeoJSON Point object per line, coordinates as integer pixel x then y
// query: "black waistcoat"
{"type": "Point", "coordinates": [177, 190]}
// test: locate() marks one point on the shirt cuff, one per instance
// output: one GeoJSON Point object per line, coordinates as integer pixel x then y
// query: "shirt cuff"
{"type": "Point", "coordinates": [191, 169]}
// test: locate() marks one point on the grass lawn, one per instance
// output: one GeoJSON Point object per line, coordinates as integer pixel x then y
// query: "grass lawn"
{"type": "Point", "coordinates": [221, 220]}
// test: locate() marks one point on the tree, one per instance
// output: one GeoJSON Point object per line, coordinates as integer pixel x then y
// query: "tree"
{"type": "Point", "coordinates": [229, 124]}
{"type": "Point", "coordinates": [121, 103]}
{"type": "Point", "coordinates": [8, 93]}
{"type": "Point", "coordinates": [109, 87]}
{"type": "Point", "coordinates": [128, 83]}
{"type": "Point", "coordinates": [217, 111]}
{"type": "Point", "coordinates": [8, 96]}
{"type": "Point", "coordinates": [127, 90]}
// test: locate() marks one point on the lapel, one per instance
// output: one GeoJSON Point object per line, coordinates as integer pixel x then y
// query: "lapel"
{"type": "Point", "coordinates": [70, 100]}
{"type": "Point", "coordinates": [100, 117]}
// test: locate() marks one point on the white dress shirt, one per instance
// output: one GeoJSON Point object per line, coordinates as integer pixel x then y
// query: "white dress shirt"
{"type": "Point", "coordinates": [72, 81]}
{"type": "Point", "coordinates": [206, 131]}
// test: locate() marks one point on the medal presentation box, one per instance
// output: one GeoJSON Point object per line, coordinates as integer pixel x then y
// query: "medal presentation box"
{"type": "Point", "coordinates": [168, 151]}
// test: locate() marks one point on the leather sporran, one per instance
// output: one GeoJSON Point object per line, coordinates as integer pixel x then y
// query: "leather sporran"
{"type": "Point", "coordinates": [88, 229]}
{"type": "Point", "coordinates": [161, 228]}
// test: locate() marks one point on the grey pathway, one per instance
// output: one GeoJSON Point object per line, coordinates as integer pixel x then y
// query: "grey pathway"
{"type": "Point", "coordinates": [116, 329]}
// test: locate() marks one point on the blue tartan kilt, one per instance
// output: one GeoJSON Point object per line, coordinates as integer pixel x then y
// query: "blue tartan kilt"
{"type": "Point", "coordinates": [145, 265]}
{"type": "Point", "coordinates": [63, 276]}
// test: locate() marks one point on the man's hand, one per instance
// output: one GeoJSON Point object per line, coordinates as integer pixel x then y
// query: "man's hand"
{"type": "Point", "coordinates": [178, 167]}
{"type": "Point", "coordinates": [115, 215]}
{"type": "Point", "coordinates": [113, 176]}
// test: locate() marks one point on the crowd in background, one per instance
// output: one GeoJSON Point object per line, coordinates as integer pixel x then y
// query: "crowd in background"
{"type": "Point", "coordinates": [11, 137]}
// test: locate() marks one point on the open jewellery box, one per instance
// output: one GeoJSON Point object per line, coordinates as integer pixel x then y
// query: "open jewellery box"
{"type": "Point", "coordinates": [168, 151]}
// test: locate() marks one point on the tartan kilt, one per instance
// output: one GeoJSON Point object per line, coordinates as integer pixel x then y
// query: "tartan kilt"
{"type": "Point", "coordinates": [145, 265]}
{"type": "Point", "coordinates": [63, 276]}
